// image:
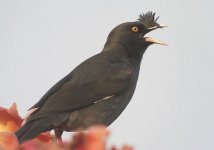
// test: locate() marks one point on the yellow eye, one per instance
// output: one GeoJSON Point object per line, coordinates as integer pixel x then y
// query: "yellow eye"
{"type": "Point", "coordinates": [135, 29]}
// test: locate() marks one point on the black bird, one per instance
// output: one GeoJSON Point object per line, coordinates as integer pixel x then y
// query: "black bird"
{"type": "Point", "coordinates": [99, 89]}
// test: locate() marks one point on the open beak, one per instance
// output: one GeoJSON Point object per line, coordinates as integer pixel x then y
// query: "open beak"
{"type": "Point", "coordinates": [153, 40]}
{"type": "Point", "coordinates": [158, 26]}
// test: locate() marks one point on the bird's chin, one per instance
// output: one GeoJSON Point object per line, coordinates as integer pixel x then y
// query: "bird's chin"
{"type": "Point", "coordinates": [154, 41]}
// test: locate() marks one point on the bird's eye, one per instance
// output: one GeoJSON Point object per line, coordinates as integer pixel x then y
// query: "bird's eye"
{"type": "Point", "coordinates": [135, 29]}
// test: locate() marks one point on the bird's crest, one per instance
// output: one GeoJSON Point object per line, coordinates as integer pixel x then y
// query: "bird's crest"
{"type": "Point", "coordinates": [148, 19]}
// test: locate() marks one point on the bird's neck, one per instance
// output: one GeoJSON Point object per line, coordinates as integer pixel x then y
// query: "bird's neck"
{"type": "Point", "coordinates": [133, 53]}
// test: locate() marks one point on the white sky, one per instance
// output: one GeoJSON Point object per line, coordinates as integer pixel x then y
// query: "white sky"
{"type": "Point", "coordinates": [172, 109]}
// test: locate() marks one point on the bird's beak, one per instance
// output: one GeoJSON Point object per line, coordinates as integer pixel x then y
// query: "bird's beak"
{"type": "Point", "coordinates": [153, 40]}
{"type": "Point", "coordinates": [156, 27]}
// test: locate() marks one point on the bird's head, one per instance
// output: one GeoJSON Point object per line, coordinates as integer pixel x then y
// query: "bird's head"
{"type": "Point", "coordinates": [131, 35]}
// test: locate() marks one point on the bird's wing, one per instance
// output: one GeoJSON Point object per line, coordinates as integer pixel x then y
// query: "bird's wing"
{"type": "Point", "coordinates": [93, 80]}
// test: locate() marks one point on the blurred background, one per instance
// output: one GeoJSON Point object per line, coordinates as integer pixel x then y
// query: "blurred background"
{"type": "Point", "coordinates": [41, 41]}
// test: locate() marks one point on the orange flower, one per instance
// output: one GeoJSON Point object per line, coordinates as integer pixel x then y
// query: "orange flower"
{"type": "Point", "coordinates": [96, 138]}
{"type": "Point", "coordinates": [8, 141]}
{"type": "Point", "coordinates": [9, 119]}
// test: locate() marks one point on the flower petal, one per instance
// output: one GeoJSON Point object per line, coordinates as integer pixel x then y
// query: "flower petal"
{"type": "Point", "coordinates": [9, 119]}
{"type": "Point", "coordinates": [96, 138]}
{"type": "Point", "coordinates": [8, 141]}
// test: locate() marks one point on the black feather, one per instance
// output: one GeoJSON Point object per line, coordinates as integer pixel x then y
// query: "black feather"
{"type": "Point", "coordinates": [148, 19]}
{"type": "Point", "coordinates": [28, 131]}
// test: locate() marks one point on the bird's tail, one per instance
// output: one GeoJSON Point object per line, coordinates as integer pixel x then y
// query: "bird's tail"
{"type": "Point", "coordinates": [30, 130]}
